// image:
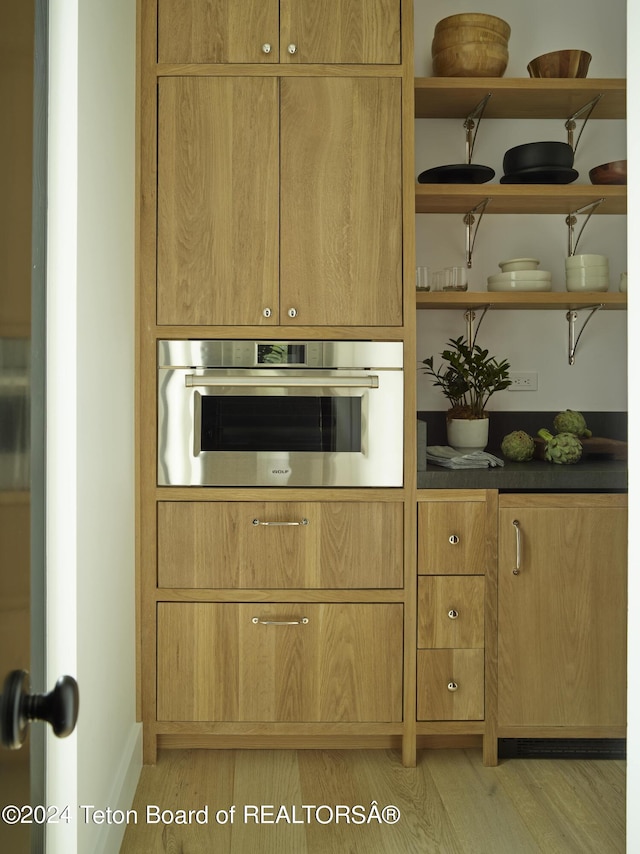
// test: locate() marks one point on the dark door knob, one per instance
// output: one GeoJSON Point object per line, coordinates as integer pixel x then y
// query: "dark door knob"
{"type": "Point", "coordinates": [18, 708]}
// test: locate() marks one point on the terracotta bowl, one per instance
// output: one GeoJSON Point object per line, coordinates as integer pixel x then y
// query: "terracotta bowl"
{"type": "Point", "coordinates": [452, 36]}
{"type": "Point", "coordinates": [560, 63]}
{"type": "Point", "coordinates": [609, 173]}
{"type": "Point", "coordinates": [475, 19]}
{"type": "Point", "coordinates": [475, 59]}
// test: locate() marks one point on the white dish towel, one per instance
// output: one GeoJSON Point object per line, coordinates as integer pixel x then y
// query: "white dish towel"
{"type": "Point", "coordinates": [443, 455]}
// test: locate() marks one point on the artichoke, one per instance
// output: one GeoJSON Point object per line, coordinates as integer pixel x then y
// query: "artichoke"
{"type": "Point", "coordinates": [571, 421]}
{"type": "Point", "coordinates": [518, 446]}
{"type": "Point", "coordinates": [563, 448]}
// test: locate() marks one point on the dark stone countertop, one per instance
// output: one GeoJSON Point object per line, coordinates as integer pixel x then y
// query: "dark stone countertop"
{"type": "Point", "coordinates": [587, 475]}
{"type": "Point", "coordinates": [590, 474]}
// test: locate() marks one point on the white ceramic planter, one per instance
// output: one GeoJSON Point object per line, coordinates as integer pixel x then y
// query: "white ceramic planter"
{"type": "Point", "coordinates": [467, 435]}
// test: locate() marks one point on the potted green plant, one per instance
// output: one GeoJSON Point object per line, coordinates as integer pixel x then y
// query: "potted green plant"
{"type": "Point", "coordinates": [468, 378]}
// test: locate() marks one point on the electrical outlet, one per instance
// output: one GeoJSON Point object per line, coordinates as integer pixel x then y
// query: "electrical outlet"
{"type": "Point", "coordinates": [523, 381]}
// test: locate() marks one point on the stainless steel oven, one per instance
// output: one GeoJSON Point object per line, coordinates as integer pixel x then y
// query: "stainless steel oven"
{"type": "Point", "coordinates": [280, 413]}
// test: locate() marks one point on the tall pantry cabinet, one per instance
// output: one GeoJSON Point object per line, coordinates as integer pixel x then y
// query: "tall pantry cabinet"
{"type": "Point", "coordinates": [276, 202]}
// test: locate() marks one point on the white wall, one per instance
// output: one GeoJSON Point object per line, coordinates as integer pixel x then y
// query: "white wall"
{"type": "Point", "coordinates": [531, 341]}
{"type": "Point", "coordinates": [91, 395]}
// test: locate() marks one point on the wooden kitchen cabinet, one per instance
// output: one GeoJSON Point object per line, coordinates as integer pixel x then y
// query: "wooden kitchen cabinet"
{"type": "Point", "coordinates": [562, 614]}
{"type": "Point", "coordinates": [452, 538]}
{"type": "Point", "coordinates": [307, 226]}
{"type": "Point", "coordinates": [333, 545]}
{"type": "Point", "coordinates": [452, 564]}
{"type": "Point", "coordinates": [269, 31]}
{"type": "Point", "coordinates": [293, 662]}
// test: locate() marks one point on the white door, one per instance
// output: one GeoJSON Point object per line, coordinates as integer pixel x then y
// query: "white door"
{"type": "Point", "coordinates": [24, 694]}
{"type": "Point", "coordinates": [84, 248]}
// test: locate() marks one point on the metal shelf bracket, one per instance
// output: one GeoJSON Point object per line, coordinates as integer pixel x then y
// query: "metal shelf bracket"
{"type": "Point", "coordinates": [570, 123]}
{"type": "Point", "coordinates": [571, 221]}
{"type": "Point", "coordinates": [469, 220]}
{"type": "Point", "coordinates": [469, 317]}
{"type": "Point", "coordinates": [572, 317]}
{"type": "Point", "coordinates": [470, 124]}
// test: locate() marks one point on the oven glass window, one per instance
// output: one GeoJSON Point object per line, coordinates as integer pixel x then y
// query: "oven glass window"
{"type": "Point", "coordinates": [281, 423]}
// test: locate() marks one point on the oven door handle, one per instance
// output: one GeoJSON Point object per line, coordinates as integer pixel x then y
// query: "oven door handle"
{"type": "Point", "coordinates": [194, 381]}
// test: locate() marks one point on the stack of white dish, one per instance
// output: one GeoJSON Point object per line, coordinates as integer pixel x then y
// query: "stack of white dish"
{"type": "Point", "coordinates": [587, 272]}
{"type": "Point", "coordinates": [520, 274]}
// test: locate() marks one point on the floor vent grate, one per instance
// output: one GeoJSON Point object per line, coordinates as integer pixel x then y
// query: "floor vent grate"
{"type": "Point", "coordinates": [562, 748]}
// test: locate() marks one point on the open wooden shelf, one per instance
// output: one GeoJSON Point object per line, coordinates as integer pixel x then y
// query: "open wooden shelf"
{"type": "Point", "coordinates": [520, 198]}
{"type": "Point", "coordinates": [519, 300]}
{"type": "Point", "coordinates": [519, 98]}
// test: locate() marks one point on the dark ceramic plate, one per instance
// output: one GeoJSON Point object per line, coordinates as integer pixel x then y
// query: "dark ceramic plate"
{"type": "Point", "coordinates": [541, 175]}
{"type": "Point", "coordinates": [457, 173]}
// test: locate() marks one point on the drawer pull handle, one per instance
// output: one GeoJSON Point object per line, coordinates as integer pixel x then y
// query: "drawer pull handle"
{"type": "Point", "coordinates": [452, 686]}
{"type": "Point", "coordinates": [301, 622]}
{"type": "Point", "coordinates": [454, 539]}
{"type": "Point", "coordinates": [453, 614]}
{"type": "Point", "coordinates": [257, 522]}
{"type": "Point", "coordinates": [516, 525]}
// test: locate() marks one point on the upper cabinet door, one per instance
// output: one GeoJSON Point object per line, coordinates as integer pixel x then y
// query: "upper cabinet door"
{"type": "Point", "coordinates": [217, 200]}
{"type": "Point", "coordinates": [341, 201]}
{"type": "Point", "coordinates": [290, 31]}
{"type": "Point", "coordinates": [340, 31]}
{"type": "Point", "coordinates": [218, 30]}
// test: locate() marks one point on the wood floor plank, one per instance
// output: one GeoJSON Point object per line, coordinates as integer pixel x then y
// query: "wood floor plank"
{"type": "Point", "coordinates": [574, 805]}
{"type": "Point", "coordinates": [484, 819]}
{"type": "Point", "coordinates": [448, 804]}
{"type": "Point", "coordinates": [265, 781]}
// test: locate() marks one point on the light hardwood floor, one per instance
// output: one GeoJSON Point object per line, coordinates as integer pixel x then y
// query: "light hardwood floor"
{"type": "Point", "coordinates": [449, 804]}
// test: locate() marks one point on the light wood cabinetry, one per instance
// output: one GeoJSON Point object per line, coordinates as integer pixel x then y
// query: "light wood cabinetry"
{"type": "Point", "coordinates": [307, 226]}
{"type": "Point", "coordinates": [332, 545]}
{"type": "Point", "coordinates": [276, 202]}
{"type": "Point", "coordinates": [272, 31]}
{"type": "Point", "coordinates": [451, 538]}
{"type": "Point", "coordinates": [280, 662]}
{"type": "Point", "coordinates": [453, 560]}
{"type": "Point", "coordinates": [562, 614]}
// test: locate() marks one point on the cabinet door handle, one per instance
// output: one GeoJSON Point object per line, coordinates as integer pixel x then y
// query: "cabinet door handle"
{"type": "Point", "coordinates": [454, 539]}
{"type": "Point", "coordinates": [257, 522]}
{"type": "Point", "coordinates": [266, 48]}
{"type": "Point", "coordinates": [452, 686]}
{"type": "Point", "coordinates": [516, 525]}
{"type": "Point", "coordinates": [453, 614]}
{"type": "Point", "coordinates": [292, 49]}
{"type": "Point", "coordinates": [302, 621]}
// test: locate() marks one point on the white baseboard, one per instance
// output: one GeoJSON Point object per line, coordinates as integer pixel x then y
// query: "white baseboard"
{"type": "Point", "coordinates": [109, 840]}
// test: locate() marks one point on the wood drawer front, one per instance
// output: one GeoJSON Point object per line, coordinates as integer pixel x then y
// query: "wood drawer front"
{"type": "Point", "coordinates": [439, 667]}
{"type": "Point", "coordinates": [215, 663]}
{"type": "Point", "coordinates": [451, 612]}
{"type": "Point", "coordinates": [341, 545]}
{"type": "Point", "coordinates": [451, 538]}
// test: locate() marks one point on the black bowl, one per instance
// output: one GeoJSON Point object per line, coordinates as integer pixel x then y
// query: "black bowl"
{"type": "Point", "coordinates": [533, 155]}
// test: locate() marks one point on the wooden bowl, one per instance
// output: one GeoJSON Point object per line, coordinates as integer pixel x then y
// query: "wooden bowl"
{"type": "Point", "coordinates": [463, 35]}
{"type": "Point", "coordinates": [560, 63]}
{"type": "Point", "coordinates": [475, 19]}
{"type": "Point", "coordinates": [609, 173]}
{"type": "Point", "coordinates": [475, 59]}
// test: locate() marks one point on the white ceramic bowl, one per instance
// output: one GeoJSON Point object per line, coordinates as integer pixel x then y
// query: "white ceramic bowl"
{"type": "Point", "coordinates": [516, 264]}
{"type": "Point", "coordinates": [519, 285]}
{"type": "Point", "coordinates": [588, 273]}
{"type": "Point", "coordinates": [596, 284]}
{"type": "Point", "coordinates": [521, 275]}
{"type": "Point", "coordinates": [578, 261]}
